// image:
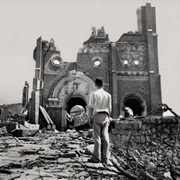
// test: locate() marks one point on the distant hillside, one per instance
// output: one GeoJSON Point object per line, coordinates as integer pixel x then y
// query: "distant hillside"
{"type": "Point", "coordinates": [14, 108]}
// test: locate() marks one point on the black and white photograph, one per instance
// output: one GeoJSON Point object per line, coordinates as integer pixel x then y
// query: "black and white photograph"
{"type": "Point", "coordinates": [90, 90]}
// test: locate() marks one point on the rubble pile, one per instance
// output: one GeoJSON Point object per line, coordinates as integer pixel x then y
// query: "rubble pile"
{"type": "Point", "coordinates": [10, 121]}
{"type": "Point", "coordinates": [148, 149]}
{"type": "Point", "coordinates": [51, 155]}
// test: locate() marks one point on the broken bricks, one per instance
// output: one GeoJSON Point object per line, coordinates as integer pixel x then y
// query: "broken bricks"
{"type": "Point", "coordinates": [29, 151]}
{"type": "Point", "coordinates": [49, 157]}
{"type": "Point", "coordinates": [67, 155]}
{"type": "Point", "coordinates": [64, 158]}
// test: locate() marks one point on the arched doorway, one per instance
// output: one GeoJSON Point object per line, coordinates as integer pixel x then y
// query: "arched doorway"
{"type": "Point", "coordinates": [135, 105]}
{"type": "Point", "coordinates": [135, 102]}
{"type": "Point", "coordinates": [73, 101]}
{"type": "Point", "coordinates": [73, 88]}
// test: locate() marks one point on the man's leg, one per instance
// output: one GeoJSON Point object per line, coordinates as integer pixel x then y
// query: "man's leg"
{"type": "Point", "coordinates": [105, 153]}
{"type": "Point", "coordinates": [97, 138]}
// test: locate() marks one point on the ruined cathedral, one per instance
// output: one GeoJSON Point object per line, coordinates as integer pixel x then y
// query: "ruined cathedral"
{"type": "Point", "coordinates": [128, 66]}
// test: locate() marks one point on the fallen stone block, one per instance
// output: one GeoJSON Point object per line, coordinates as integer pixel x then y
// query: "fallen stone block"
{"type": "Point", "coordinates": [29, 151]}
{"type": "Point", "coordinates": [49, 157]}
{"type": "Point", "coordinates": [63, 175]}
{"type": "Point", "coordinates": [20, 126]}
{"type": "Point", "coordinates": [95, 166]}
{"type": "Point", "coordinates": [65, 150]}
{"type": "Point", "coordinates": [89, 149]}
{"type": "Point", "coordinates": [65, 160]}
{"type": "Point", "coordinates": [25, 138]}
{"type": "Point", "coordinates": [68, 155]}
{"type": "Point", "coordinates": [31, 126]}
{"type": "Point", "coordinates": [59, 167]}
{"type": "Point", "coordinates": [80, 120]}
{"type": "Point", "coordinates": [15, 165]}
{"type": "Point", "coordinates": [74, 146]}
{"type": "Point", "coordinates": [5, 171]}
{"type": "Point", "coordinates": [102, 173]}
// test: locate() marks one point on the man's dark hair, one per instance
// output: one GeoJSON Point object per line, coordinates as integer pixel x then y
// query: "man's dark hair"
{"type": "Point", "coordinates": [99, 82]}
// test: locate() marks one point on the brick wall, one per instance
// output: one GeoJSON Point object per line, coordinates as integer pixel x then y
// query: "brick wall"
{"type": "Point", "coordinates": [139, 133]}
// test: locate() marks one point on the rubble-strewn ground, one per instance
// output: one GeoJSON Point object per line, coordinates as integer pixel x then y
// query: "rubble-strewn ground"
{"type": "Point", "coordinates": [64, 155]}
{"type": "Point", "coordinates": [50, 155]}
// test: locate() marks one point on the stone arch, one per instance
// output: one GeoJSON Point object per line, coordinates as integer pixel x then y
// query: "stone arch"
{"type": "Point", "coordinates": [137, 100]}
{"type": "Point", "coordinates": [69, 96]}
{"type": "Point", "coordinates": [70, 77]}
{"type": "Point", "coordinates": [75, 95]}
{"type": "Point", "coordinates": [55, 84]}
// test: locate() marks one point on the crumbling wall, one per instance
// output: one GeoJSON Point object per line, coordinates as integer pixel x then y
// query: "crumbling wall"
{"type": "Point", "coordinates": [140, 133]}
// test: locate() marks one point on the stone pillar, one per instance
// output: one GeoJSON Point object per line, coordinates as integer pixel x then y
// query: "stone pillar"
{"type": "Point", "coordinates": [25, 94]}
{"type": "Point", "coordinates": [37, 82]}
{"type": "Point", "coordinates": [154, 77]}
{"type": "Point", "coordinates": [114, 88]}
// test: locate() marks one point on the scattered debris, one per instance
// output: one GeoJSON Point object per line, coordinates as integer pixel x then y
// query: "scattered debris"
{"type": "Point", "coordinates": [64, 155]}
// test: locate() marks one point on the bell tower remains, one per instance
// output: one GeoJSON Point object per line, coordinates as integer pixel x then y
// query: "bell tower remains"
{"type": "Point", "coordinates": [137, 73]}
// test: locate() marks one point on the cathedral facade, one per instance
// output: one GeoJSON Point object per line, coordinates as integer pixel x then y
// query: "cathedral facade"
{"type": "Point", "coordinates": [129, 68]}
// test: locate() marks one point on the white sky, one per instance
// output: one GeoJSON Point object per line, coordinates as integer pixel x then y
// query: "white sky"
{"type": "Point", "coordinates": [69, 23]}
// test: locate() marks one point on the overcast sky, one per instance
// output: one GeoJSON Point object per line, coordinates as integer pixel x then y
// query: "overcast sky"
{"type": "Point", "coordinates": [69, 24]}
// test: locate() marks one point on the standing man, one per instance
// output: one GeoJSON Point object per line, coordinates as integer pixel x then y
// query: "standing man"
{"type": "Point", "coordinates": [99, 113]}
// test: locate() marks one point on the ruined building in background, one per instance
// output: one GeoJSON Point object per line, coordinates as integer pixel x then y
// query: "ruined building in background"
{"type": "Point", "coordinates": [25, 94]}
{"type": "Point", "coordinates": [128, 66]}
